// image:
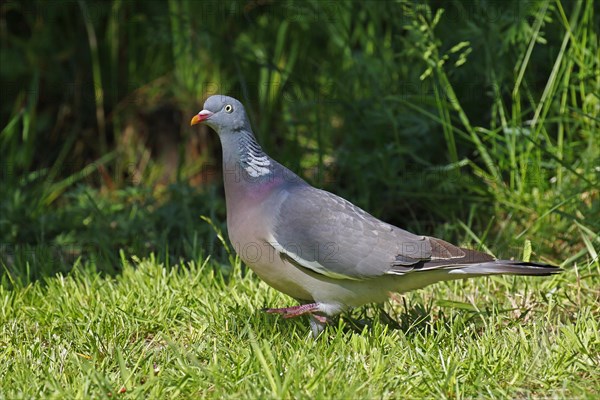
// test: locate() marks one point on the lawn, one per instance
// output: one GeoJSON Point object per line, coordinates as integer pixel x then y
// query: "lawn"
{"type": "Point", "coordinates": [188, 330]}
{"type": "Point", "coordinates": [477, 122]}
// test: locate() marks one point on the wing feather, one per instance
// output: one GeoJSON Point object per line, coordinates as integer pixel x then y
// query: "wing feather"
{"type": "Point", "coordinates": [331, 236]}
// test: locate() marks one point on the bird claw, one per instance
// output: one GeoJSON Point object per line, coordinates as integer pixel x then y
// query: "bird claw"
{"type": "Point", "coordinates": [317, 322]}
{"type": "Point", "coordinates": [295, 311]}
{"type": "Point", "coordinates": [317, 325]}
{"type": "Point", "coordinates": [321, 318]}
{"type": "Point", "coordinates": [290, 312]}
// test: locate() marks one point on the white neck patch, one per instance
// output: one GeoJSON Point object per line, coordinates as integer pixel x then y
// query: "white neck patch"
{"type": "Point", "coordinates": [253, 159]}
{"type": "Point", "coordinates": [257, 166]}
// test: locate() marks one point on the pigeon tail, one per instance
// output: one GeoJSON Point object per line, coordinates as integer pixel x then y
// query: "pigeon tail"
{"type": "Point", "coordinates": [507, 267]}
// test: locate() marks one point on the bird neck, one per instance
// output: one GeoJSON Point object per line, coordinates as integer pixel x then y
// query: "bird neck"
{"type": "Point", "coordinates": [253, 161]}
{"type": "Point", "coordinates": [248, 169]}
{"type": "Point", "coordinates": [244, 161]}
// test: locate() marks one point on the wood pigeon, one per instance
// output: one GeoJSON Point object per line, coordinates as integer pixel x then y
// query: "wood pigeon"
{"type": "Point", "coordinates": [317, 247]}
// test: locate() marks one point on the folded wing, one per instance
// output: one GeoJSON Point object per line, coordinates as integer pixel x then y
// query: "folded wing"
{"type": "Point", "coordinates": [324, 233]}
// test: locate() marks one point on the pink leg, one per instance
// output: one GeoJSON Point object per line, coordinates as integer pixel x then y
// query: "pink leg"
{"type": "Point", "coordinates": [290, 312]}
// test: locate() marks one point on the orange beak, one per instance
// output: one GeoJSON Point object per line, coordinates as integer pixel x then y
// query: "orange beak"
{"type": "Point", "coordinates": [201, 116]}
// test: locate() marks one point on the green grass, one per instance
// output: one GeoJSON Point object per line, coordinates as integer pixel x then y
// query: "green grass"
{"type": "Point", "coordinates": [187, 330]}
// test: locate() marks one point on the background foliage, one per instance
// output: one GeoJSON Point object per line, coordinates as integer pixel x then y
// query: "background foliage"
{"type": "Point", "coordinates": [482, 112]}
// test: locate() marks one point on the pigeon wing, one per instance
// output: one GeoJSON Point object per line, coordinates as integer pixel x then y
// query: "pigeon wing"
{"type": "Point", "coordinates": [322, 232]}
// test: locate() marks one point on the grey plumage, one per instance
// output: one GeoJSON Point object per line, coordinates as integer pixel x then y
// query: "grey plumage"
{"type": "Point", "coordinates": [319, 248]}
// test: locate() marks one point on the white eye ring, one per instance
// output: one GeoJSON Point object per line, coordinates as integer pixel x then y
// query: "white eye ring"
{"type": "Point", "coordinates": [228, 108]}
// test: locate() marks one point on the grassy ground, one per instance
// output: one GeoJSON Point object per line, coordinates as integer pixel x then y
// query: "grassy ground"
{"type": "Point", "coordinates": [188, 330]}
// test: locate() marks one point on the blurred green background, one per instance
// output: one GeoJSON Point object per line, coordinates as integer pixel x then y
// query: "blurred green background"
{"type": "Point", "coordinates": [476, 121]}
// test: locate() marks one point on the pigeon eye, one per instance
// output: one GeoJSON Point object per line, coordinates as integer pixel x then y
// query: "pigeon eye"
{"type": "Point", "coordinates": [228, 108]}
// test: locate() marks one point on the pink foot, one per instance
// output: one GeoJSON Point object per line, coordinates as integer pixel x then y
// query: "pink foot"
{"type": "Point", "coordinates": [290, 312]}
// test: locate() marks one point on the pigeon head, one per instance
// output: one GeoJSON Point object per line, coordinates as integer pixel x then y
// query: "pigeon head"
{"type": "Point", "coordinates": [222, 113]}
